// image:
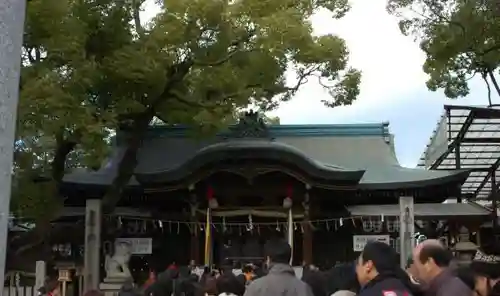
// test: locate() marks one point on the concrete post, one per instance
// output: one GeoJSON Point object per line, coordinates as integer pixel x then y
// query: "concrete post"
{"type": "Point", "coordinates": [93, 215]}
{"type": "Point", "coordinates": [12, 14]}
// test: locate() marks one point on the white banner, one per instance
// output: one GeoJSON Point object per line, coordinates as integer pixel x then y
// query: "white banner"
{"type": "Point", "coordinates": [140, 246]}
{"type": "Point", "coordinates": [359, 241]}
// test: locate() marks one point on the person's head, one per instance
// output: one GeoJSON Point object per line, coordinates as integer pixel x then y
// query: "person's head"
{"type": "Point", "coordinates": [342, 277]}
{"type": "Point", "coordinates": [206, 270]}
{"type": "Point", "coordinates": [429, 259]}
{"type": "Point", "coordinates": [486, 268]}
{"type": "Point", "coordinates": [376, 258]}
{"type": "Point", "coordinates": [210, 286]}
{"type": "Point", "coordinates": [247, 269]}
{"type": "Point", "coordinates": [228, 283]}
{"type": "Point", "coordinates": [316, 281]}
{"type": "Point", "coordinates": [278, 251]}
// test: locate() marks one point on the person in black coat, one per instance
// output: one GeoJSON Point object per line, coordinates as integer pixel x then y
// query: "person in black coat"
{"type": "Point", "coordinates": [379, 273]}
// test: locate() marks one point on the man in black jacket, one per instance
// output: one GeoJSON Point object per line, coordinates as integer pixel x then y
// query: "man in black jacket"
{"type": "Point", "coordinates": [379, 273]}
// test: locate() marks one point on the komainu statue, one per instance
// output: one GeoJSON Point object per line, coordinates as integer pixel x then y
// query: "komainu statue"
{"type": "Point", "coordinates": [116, 266]}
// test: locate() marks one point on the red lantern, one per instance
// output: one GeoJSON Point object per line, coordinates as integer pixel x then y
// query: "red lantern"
{"type": "Point", "coordinates": [212, 201]}
{"type": "Point", "coordinates": [289, 190]}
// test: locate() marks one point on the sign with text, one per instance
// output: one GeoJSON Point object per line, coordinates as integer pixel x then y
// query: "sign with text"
{"type": "Point", "coordinates": [359, 241]}
{"type": "Point", "coordinates": [140, 246]}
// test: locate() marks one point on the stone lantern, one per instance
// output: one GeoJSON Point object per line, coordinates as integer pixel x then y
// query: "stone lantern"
{"type": "Point", "coordinates": [464, 249]}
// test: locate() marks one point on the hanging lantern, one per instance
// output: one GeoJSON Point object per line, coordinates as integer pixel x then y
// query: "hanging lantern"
{"type": "Point", "coordinates": [287, 201]}
{"type": "Point", "coordinates": [212, 201]}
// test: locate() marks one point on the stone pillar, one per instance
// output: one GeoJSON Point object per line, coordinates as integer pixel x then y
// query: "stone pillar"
{"type": "Point", "coordinates": [406, 228]}
{"type": "Point", "coordinates": [92, 251]}
{"type": "Point", "coordinates": [195, 237]}
{"type": "Point", "coordinates": [40, 274]}
{"type": "Point", "coordinates": [307, 237]}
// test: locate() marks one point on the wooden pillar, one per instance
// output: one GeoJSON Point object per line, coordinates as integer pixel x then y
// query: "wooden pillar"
{"type": "Point", "coordinates": [307, 236]}
{"type": "Point", "coordinates": [195, 232]}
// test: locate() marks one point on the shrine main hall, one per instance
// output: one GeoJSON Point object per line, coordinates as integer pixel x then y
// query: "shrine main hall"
{"type": "Point", "coordinates": [218, 199]}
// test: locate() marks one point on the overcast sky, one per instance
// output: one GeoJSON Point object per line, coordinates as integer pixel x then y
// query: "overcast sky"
{"type": "Point", "coordinates": [393, 84]}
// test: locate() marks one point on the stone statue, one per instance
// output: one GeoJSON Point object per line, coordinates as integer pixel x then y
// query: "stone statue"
{"type": "Point", "coordinates": [116, 266]}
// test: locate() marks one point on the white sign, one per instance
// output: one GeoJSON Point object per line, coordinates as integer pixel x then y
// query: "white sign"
{"type": "Point", "coordinates": [359, 241]}
{"type": "Point", "coordinates": [140, 246]}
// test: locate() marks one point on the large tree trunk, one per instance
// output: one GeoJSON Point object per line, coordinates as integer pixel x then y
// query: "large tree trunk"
{"type": "Point", "coordinates": [128, 163]}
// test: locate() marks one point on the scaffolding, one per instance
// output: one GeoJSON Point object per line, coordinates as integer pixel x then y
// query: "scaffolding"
{"type": "Point", "coordinates": [468, 138]}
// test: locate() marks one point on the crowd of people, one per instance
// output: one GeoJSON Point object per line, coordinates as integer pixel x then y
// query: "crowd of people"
{"type": "Point", "coordinates": [431, 271]}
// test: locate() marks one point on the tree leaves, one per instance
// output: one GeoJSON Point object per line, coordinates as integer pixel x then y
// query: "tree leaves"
{"type": "Point", "coordinates": [460, 38]}
{"type": "Point", "coordinates": [88, 68]}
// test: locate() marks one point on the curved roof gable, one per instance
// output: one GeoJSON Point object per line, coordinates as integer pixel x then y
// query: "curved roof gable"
{"type": "Point", "coordinates": [267, 151]}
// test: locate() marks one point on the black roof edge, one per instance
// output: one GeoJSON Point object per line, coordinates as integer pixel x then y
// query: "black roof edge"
{"type": "Point", "coordinates": [458, 177]}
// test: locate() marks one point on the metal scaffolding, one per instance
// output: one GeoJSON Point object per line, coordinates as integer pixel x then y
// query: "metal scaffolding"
{"type": "Point", "coordinates": [468, 138]}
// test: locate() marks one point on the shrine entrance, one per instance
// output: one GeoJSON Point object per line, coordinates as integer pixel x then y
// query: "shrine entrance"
{"type": "Point", "coordinates": [241, 240]}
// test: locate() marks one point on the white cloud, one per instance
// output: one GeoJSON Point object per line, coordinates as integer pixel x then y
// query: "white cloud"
{"type": "Point", "coordinates": [390, 62]}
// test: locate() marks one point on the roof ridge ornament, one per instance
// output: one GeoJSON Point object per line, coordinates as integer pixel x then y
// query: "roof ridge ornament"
{"type": "Point", "coordinates": [250, 125]}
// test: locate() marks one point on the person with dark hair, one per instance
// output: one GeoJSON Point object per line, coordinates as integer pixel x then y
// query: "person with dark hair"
{"type": "Point", "coordinates": [342, 281]}
{"type": "Point", "coordinates": [248, 272]}
{"type": "Point", "coordinates": [128, 289]}
{"type": "Point", "coordinates": [205, 274]}
{"type": "Point", "coordinates": [432, 261]}
{"type": "Point", "coordinates": [281, 279]}
{"type": "Point", "coordinates": [379, 274]}
{"type": "Point", "coordinates": [210, 286]}
{"type": "Point", "coordinates": [486, 268]}
{"type": "Point", "coordinates": [228, 285]}
{"type": "Point", "coordinates": [316, 280]}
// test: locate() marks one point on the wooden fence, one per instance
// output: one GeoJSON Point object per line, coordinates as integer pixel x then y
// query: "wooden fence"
{"type": "Point", "coordinates": [19, 291]}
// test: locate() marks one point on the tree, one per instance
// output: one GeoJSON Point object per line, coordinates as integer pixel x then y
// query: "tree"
{"type": "Point", "coordinates": [213, 57]}
{"type": "Point", "coordinates": [65, 117]}
{"type": "Point", "coordinates": [89, 68]}
{"type": "Point", "coordinates": [460, 38]}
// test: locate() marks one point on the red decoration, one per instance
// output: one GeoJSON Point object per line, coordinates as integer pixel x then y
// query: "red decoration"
{"type": "Point", "coordinates": [289, 190]}
{"type": "Point", "coordinates": [210, 193]}
{"type": "Point", "coordinates": [212, 201]}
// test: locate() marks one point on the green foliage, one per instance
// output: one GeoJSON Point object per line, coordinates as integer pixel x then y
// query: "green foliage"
{"type": "Point", "coordinates": [461, 38]}
{"type": "Point", "coordinates": [88, 66]}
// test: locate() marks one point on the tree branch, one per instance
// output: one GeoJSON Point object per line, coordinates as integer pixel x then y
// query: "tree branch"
{"type": "Point", "coordinates": [236, 44]}
{"type": "Point", "coordinates": [63, 148]}
{"type": "Point", "coordinates": [494, 81]}
{"type": "Point", "coordinates": [485, 78]}
{"type": "Point", "coordinates": [136, 8]}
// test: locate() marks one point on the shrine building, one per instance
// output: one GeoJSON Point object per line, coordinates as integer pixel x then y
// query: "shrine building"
{"type": "Point", "coordinates": [217, 200]}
